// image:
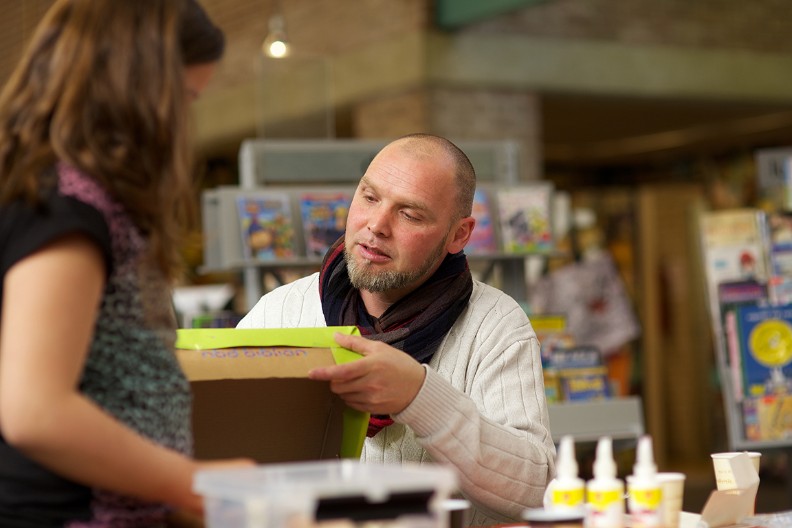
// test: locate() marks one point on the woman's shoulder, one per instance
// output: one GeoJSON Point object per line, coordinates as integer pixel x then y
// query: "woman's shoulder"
{"type": "Point", "coordinates": [76, 184]}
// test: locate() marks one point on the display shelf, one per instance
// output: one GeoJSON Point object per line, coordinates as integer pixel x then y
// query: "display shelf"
{"type": "Point", "coordinates": [731, 395]}
{"type": "Point", "coordinates": [587, 421]}
{"type": "Point", "coordinates": [491, 260]}
{"type": "Point", "coordinates": [734, 422]}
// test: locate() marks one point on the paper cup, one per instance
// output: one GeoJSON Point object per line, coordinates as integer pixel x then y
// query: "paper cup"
{"type": "Point", "coordinates": [724, 478]}
{"type": "Point", "coordinates": [673, 486]}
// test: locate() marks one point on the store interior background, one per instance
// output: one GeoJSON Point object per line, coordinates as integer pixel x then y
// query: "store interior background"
{"type": "Point", "coordinates": [644, 111]}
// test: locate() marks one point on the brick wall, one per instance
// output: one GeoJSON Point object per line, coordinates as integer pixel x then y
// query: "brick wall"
{"type": "Point", "coordinates": [315, 28]}
{"type": "Point", "coordinates": [458, 114]}
{"type": "Point", "coordinates": [755, 25]}
{"type": "Point", "coordinates": [491, 114]}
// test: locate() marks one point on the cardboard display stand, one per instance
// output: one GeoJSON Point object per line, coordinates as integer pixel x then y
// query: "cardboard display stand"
{"type": "Point", "coordinates": [252, 396]}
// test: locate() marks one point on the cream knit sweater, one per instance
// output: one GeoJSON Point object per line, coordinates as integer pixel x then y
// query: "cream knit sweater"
{"type": "Point", "coordinates": [481, 409]}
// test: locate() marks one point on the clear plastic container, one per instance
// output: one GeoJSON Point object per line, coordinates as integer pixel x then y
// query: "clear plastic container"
{"type": "Point", "coordinates": [306, 494]}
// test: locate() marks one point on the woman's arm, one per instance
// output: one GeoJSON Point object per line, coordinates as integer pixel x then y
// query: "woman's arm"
{"type": "Point", "coordinates": [50, 305]}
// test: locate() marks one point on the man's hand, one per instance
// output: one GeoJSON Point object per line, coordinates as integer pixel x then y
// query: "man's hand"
{"type": "Point", "coordinates": [385, 381]}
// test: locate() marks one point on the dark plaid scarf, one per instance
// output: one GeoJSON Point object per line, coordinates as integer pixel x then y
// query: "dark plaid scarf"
{"type": "Point", "coordinates": [416, 323]}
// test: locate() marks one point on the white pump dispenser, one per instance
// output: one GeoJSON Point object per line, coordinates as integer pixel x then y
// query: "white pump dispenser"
{"type": "Point", "coordinates": [565, 492]}
{"type": "Point", "coordinates": [605, 492]}
{"type": "Point", "coordinates": [645, 493]}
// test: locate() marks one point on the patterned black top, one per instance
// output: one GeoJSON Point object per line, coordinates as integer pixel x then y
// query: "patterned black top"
{"type": "Point", "coordinates": [131, 370]}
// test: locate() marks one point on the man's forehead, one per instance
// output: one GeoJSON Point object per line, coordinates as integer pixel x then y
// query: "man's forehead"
{"type": "Point", "coordinates": [412, 186]}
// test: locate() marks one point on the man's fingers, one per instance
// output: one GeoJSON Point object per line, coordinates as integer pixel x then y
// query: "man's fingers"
{"type": "Point", "coordinates": [358, 344]}
{"type": "Point", "coordinates": [323, 373]}
{"type": "Point", "coordinates": [344, 372]}
{"type": "Point", "coordinates": [347, 371]}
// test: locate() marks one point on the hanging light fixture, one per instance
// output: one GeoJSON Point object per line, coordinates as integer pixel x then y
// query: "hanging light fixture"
{"type": "Point", "coordinates": [276, 44]}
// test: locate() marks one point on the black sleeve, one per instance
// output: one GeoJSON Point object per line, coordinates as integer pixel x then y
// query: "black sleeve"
{"type": "Point", "coordinates": [25, 229]}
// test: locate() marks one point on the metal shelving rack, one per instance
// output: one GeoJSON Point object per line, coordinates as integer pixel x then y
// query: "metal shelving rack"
{"type": "Point", "coordinates": [771, 177]}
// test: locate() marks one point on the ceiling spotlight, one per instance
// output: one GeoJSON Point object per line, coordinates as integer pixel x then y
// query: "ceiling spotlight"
{"type": "Point", "coordinates": [276, 44]}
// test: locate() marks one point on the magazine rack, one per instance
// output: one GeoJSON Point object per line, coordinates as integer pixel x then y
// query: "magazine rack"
{"type": "Point", "coordinates": [725, 240]}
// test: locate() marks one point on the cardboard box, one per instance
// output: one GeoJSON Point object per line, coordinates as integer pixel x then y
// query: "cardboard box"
{"type": "Point", "coordinates": [252, 396]}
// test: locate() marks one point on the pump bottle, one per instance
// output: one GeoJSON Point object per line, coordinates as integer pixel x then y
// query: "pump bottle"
{"type": "Point", "coordinates": [605, 492]}
{"type": "Point", "coordinates": [644, 490]}
{"type": "Point", "coordinates": [565, 492]}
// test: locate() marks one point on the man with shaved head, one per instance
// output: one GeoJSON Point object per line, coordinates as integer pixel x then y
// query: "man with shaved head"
{"type": "Point", "coordinates": [451, 371]}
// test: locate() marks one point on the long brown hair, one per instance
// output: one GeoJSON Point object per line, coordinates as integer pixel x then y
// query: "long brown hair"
{"type": "Point", "coordinates": [101, 87]}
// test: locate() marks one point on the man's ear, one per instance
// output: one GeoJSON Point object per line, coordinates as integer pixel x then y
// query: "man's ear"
{"type": "Point", "coordinates": [461, 235]}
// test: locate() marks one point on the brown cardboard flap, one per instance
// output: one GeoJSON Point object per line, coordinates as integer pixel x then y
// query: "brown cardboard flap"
{"type": "Point", "coordinates": [269, 420]}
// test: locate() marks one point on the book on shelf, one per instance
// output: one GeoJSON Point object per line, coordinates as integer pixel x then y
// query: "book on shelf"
{"type": "Point", "coordinates": [734, 360]}
{"type": "Point", "coordinates": [731, 295]}
{"type": "Point", "coordinates": [525, 217]}
{"type": "Point", "coordinates": [765, 337]}
{"type": "Point", "coordinates": [774, 178]}
{"type": "Point", "coordinates": [780, 234]}
{"type": "Point", "coordinates": [266, 224]}
{"type": "Point", "coordinates": [780, 253]}
{"type": "Point", "coordinates": [551, 331]}
{"type": "Point", "coordinates": [323, 215]}
{"type": "Point", "coordinates": [734, 248]}
{"type": "Point", "coordinates": [768, 417]}
{"type": "Point", "coordinates": [483, 240]}
{"type": "Point", "coordinates": [582, 374]}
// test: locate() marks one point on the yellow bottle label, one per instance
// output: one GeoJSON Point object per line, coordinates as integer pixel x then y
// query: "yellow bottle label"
{"type": "Point", "coordinates": [648, 499]}
{"type": "Point", "coordinates": [601, 500]}
{"type": "Point", "coordinates": [567, 497]}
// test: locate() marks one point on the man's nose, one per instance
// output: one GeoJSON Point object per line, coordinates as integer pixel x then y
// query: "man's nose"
{"type": "Point", "coordinates": [379, 222]}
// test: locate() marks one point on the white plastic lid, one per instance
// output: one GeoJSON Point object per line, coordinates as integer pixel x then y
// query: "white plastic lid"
{"type": "Point", "coordinates": [604, 466]}
{"type": "Point", "coordinates": [566, 464]}
{"type": "Point", "coordinates": [324, 479]}
{"type": "Point", "coordinates": [644, 460]}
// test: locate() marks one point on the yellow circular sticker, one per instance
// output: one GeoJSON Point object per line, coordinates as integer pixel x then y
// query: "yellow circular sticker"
{"type": "Point", "coordinates": [770, 343]}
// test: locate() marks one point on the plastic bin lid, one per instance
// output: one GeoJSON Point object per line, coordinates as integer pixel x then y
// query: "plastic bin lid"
{"type": "Point", "coordinates": [324, 479]}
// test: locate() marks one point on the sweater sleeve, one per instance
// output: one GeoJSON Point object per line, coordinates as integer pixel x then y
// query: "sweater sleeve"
{"type": "Point", "coordinates": [494, 429]}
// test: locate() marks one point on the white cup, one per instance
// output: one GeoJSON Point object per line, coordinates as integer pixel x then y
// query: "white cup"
{"type": "Point", "coordinates": [673, 487]}
{"type": "Point", "coordinates": [724, 478]}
